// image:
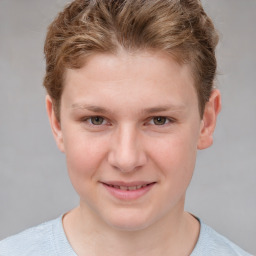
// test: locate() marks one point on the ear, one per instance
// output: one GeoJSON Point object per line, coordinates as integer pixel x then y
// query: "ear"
{"type": "Point", "coordinates": [208, 123]}
{"type": "Point", "coordinates": [55, 124]}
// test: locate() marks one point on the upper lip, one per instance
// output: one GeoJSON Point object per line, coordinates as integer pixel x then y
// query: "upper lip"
{"type": "Point", "coordinates": [127, 184]}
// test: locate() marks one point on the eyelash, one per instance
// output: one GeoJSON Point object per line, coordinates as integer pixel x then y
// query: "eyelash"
{"type": "Point", "coordinates": [149, 121]}
{"type": "Point", "coordinates": [167, 120]}
{"type": "Point", "coordinates": [88, 120]}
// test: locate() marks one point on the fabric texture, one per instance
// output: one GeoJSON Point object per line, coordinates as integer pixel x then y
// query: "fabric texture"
{"type": "Point", "coordinates": [49, 239]}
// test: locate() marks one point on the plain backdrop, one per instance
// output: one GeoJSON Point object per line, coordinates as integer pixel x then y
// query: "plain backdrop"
{"type": "Point", "coordinates": [34, 186]}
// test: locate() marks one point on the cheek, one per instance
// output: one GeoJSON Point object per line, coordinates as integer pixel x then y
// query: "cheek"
{"type": "Point", "coordinates": [175, 156]}
{"type": "Point", "coordinates": [84, 155]}
{"type": "Point", "coordinates": [176, 149]}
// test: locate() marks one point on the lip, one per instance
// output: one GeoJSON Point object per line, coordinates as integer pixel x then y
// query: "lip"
{"type": "Point", "coordinates": [112, 188]}
{"type": "Point", "coordinates": [127, 184]}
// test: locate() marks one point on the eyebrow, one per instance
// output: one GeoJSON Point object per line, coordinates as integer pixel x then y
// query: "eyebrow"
{"type": "Point", "coordinates": [163, 109]}
{"type": "Point", "coordinates": [150, 110]}
{"type": "Point", "coordinates": [96, 109]}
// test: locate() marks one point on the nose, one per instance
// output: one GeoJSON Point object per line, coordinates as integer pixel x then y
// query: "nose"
{"type": "Point", "coordinates": [127, 153]}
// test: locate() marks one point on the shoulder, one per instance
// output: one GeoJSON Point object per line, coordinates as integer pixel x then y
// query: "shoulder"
{"type": "Point", "coordinates": [41, 240]}
{"type": "Point", "coordinates": [212, 243]}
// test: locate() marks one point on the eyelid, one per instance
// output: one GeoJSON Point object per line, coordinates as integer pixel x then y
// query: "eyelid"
{"type": "Point", "coordinates": [169, 120]}
{"type": "Point", "coordinates": [89, 123]}
{"type": "Point", "coordinates": [106, 122]}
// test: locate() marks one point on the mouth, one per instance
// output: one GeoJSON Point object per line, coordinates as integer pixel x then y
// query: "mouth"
{"type": "Point", "coordinates": [128, 191]}
{"type": "Point", "coordinates": [128, 188]}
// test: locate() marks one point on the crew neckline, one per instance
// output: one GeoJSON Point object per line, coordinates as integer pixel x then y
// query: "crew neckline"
{"type": "Point", "coordinates": [62, 244]}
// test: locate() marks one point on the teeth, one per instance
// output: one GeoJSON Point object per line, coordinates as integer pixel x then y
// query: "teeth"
{"type": "Point", "coordinates": [128, 188]}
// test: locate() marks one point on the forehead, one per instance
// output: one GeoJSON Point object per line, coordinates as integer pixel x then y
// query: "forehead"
{"type": "Point", "coordinates": [137, 63]}
{"type": "Point", "coordinates": [128, 78]}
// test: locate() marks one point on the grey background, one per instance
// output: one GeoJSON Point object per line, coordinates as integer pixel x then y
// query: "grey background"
{"type": "Point", "coordinates": [34, 186]}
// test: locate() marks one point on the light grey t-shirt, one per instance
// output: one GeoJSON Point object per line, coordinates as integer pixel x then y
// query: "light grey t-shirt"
{"type": "Point", "coordinates": [49, 239]}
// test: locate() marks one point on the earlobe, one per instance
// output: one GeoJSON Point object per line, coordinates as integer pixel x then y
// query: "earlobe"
{"type": "Point", "coordinates": [208, 123]}
{"type": "Point", "coordinates": [55, 124]}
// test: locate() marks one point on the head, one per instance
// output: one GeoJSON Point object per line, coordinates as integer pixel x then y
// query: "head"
{"type": "Point", "coordinates": [131, 99]}
{"type": "Point", "coordinates": [178, 28]}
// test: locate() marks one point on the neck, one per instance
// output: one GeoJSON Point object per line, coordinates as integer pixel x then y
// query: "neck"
{"type": "Point", "coordinates": [174, 234]}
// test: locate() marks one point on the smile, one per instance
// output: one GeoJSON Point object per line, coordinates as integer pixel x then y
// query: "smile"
{"type": "Point", "coordinates": [128, 191]}
{"type": "Point", "coordinates": [128, 188]}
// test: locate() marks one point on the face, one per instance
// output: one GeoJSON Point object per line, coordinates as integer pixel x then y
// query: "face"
{"type": "Point", "coordinates": [130, 129]}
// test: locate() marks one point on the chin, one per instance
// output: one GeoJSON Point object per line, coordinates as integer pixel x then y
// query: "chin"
{"type": "Point", "coordinates": [129, 221]}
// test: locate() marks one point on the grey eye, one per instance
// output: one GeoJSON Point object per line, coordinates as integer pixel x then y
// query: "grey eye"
{"type": "Point", "coordinates": [159, 120]}
{"type": "Point", "coordinates": [97, 120]}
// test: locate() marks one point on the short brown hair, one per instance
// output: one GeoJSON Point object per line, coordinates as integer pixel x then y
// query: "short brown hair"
{"type": "Point", "coordinates": [177, 27]}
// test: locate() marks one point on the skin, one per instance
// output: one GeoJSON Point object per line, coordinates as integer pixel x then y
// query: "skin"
{"type": "Point", "coordinates": [128, 143]}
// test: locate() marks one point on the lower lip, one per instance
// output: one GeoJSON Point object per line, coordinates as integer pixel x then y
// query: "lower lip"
{"type": "Point", "coordinates": [128, 194]}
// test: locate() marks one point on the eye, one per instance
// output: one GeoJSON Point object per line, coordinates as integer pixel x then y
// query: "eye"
{"type": "Point", "coordinates": [159, 120]}
{"type": "Point", "coordinates": [96, 120]}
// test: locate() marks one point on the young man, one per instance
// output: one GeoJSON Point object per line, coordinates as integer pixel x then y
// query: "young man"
{"type": "Point", "coordinates": [130, 101]}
